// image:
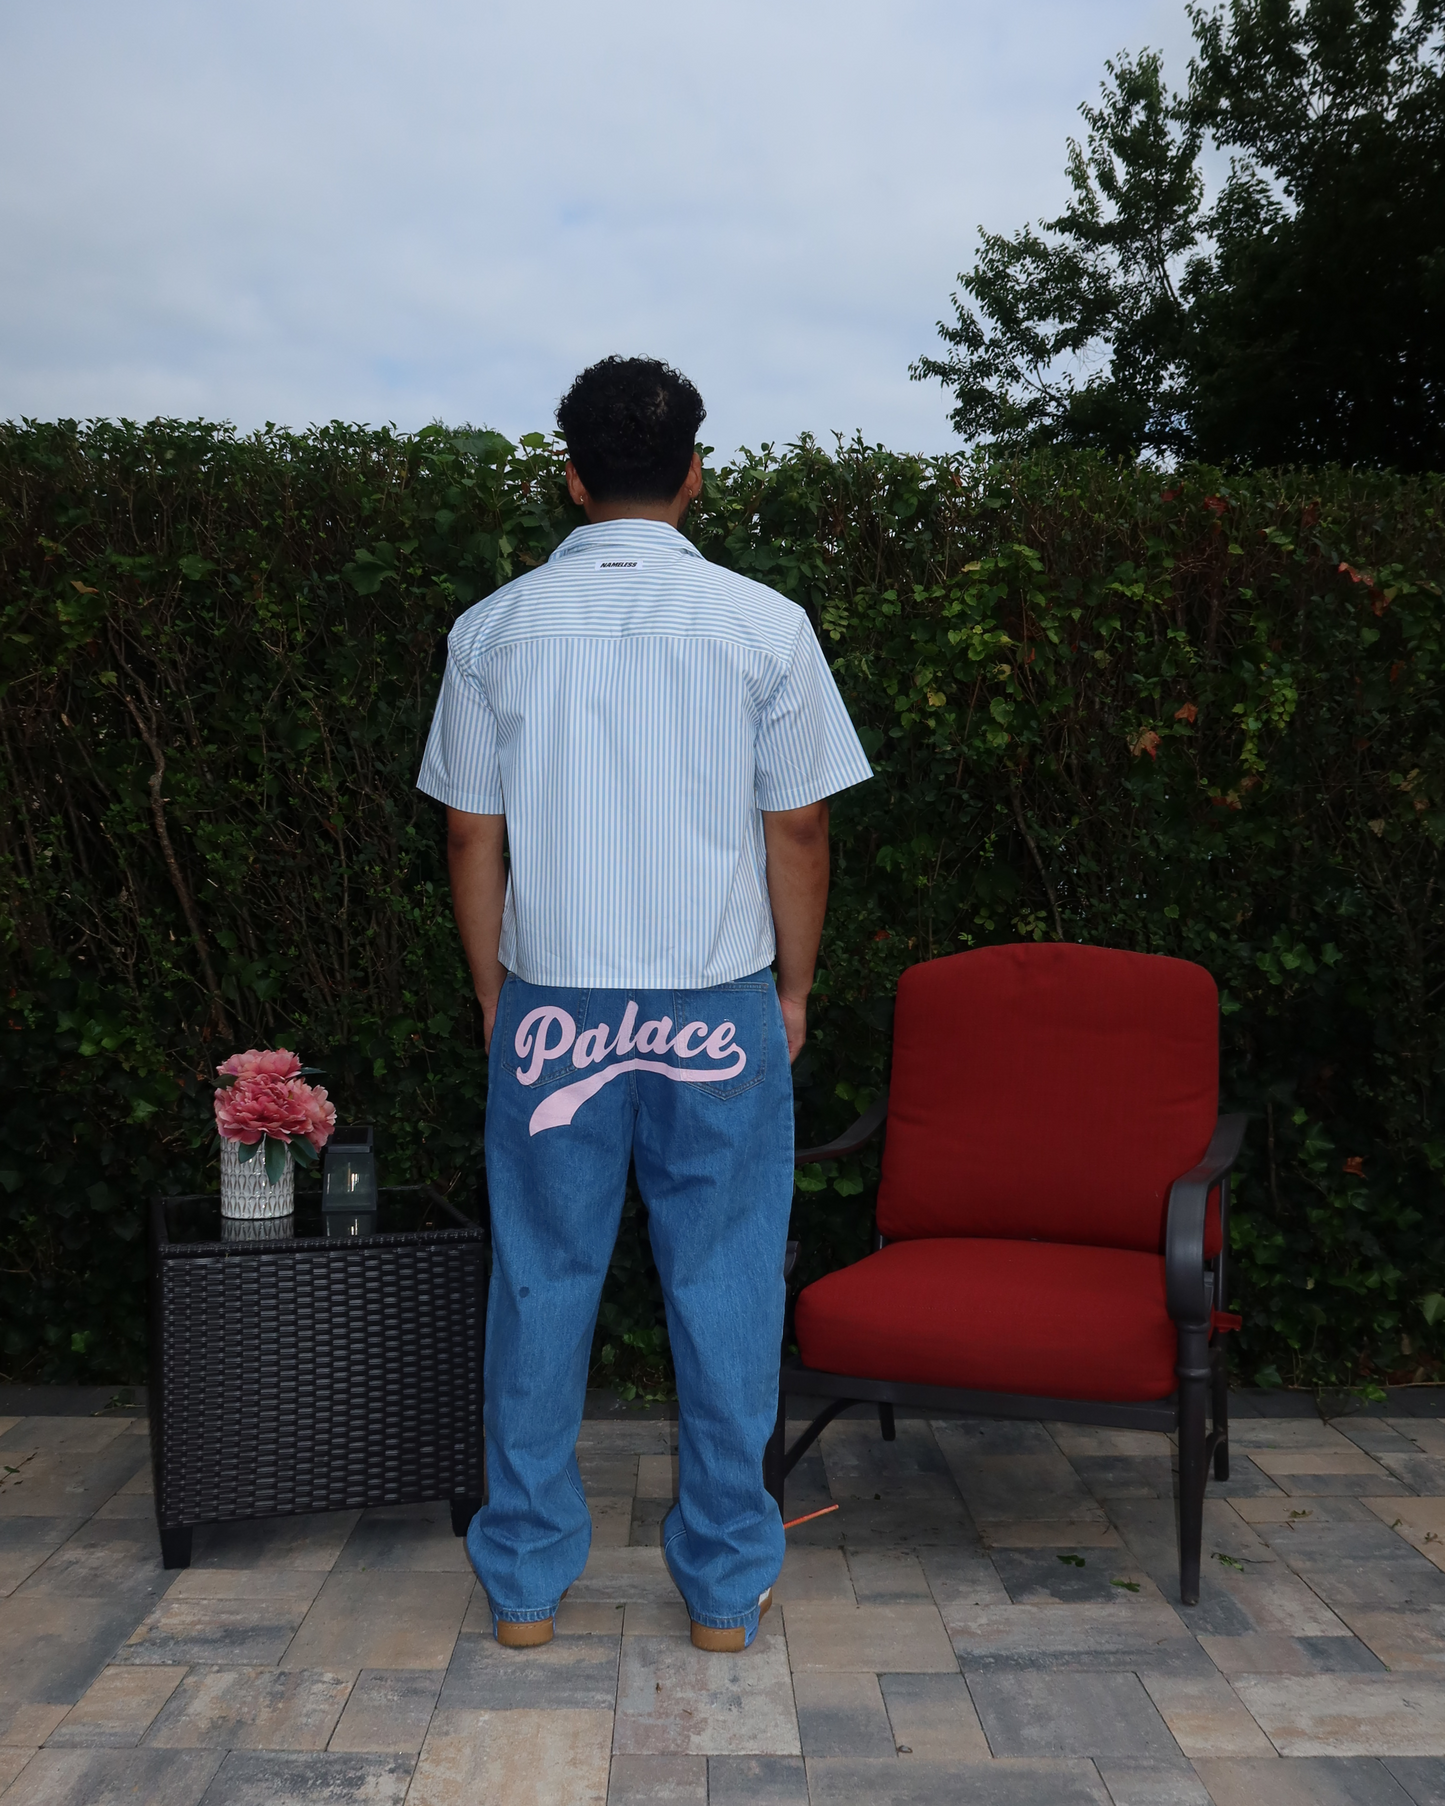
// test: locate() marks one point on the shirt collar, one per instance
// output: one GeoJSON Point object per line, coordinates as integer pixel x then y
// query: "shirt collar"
{"type": "Point", "coordinates": [653, 536]}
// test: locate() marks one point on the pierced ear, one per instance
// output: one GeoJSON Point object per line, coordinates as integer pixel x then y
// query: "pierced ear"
{"type": "Point", "coordinates": [572, 476]}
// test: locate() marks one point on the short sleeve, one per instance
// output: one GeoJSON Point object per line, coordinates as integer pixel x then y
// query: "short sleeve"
{"type": "Point", "coordinates": [461, 766]}
{"type": "Point", "coordinates": [807, 747]}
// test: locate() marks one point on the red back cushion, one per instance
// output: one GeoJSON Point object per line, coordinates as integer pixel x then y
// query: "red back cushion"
{"type": "Point", "coordinates": [1048, 1093]}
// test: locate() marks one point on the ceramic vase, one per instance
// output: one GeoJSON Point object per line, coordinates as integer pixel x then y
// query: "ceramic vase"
{"type": "Point", "coordinates": [245, 1190]}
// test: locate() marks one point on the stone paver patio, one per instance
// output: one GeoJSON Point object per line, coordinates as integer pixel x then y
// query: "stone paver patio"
{"type": "Point", "coordinates": [990, 1617]}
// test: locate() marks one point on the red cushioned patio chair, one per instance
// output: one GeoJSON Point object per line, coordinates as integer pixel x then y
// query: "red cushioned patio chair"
{"type": "Point", "coordinates": [1053, 1214]}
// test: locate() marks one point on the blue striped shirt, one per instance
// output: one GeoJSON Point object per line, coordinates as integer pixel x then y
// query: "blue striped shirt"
{"type": "Point", "coordinates": [630, 708]}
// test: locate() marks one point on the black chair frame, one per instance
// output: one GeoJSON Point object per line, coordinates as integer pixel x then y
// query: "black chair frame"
{"type": "Point", "coordinates": [1196, 1296]}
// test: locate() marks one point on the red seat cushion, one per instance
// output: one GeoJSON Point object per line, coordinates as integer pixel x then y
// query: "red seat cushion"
{"type": "Point", "coordinates": [1045, 1319]}
{"type": "Point", "coordinates": [1048, 1092]}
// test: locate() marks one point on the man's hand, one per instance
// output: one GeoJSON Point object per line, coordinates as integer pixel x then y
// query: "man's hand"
{"type": "Point", "coordinates": [797, 845]}
{"type": "Point", "coordinates": [489, 1018]}
{"type": "Point", "coordinates": [795, 1021]}
{"type": "Point", "coordinates": [479, 889]}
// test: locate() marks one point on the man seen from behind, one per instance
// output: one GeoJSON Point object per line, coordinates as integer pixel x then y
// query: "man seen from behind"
{"type": "Point", "coordinates": [653, 740]}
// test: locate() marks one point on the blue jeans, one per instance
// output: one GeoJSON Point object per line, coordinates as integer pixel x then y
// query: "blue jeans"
{"type": "Point", "coordinates": [694, 1088]}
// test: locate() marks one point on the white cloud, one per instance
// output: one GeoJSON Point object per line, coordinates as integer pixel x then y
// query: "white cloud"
{"type": "Point", "coordinates": [337, 209]}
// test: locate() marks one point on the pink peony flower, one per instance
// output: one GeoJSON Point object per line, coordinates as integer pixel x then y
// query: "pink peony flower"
{"type": "Point", "coordinates": [256, 1062]}
{"type": "Point", "coordinates": [320, 1114]}
{"type": "Point", "coordinates": [262, 1105]}
{"type": "Point", "coordinates": [268, 1099]}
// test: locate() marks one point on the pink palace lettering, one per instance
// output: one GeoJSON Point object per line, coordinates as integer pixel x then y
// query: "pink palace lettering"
{"type": "Point", "coordinates": [548, 1033]}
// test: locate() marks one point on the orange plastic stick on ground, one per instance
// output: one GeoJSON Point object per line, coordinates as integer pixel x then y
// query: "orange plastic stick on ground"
{"type": "Point", "coordinates": [809, 1517]}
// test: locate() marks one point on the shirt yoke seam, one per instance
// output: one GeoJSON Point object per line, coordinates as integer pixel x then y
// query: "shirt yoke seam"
{"type": "Point", "coordinates": [690, 638]}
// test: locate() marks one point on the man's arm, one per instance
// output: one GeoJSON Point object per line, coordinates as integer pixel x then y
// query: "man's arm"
{"type": "Point", "coordinates": [797, 846]}
{"type": "Point", "coordinates": [479, 889]}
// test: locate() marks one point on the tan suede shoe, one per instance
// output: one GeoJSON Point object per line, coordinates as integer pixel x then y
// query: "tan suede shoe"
{"type": "Point", "coordinates": [524, 1636]}
{"type": "Point", "coordinates": [512, 1635]}
{"type": "Point", "coordinates": [730, 1640]}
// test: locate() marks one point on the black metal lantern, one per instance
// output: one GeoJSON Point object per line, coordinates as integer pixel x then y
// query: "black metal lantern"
{"type": "Point", "coordinates": [348, 1182]}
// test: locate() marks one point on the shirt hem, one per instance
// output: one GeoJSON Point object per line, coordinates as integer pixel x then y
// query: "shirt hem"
{"type": "Point", "coordinates": [688, 982]}
{"type": "Point", "coordinates": [468, 804]}
{"type": "Point", "coordinates": [810, 793]}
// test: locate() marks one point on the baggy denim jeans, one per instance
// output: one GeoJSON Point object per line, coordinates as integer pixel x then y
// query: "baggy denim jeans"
{"type": "Point", "coordinates": [695, 1089]}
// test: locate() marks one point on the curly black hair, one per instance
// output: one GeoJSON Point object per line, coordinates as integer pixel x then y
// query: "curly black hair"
{"type": "Point", "coordinates": [631, 428]}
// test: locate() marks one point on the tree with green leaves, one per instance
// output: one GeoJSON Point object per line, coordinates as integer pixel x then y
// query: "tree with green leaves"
{"type": "Point", "coordinates": [1298, 317]}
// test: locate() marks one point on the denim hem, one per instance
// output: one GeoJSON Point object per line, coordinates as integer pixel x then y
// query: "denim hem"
{"type": "Point", "coordinates": [722, 1621]}
{"type": "Point", "coordinates": [745, 1620]}
{"type": "Point", "coordinates": [546, 1611]}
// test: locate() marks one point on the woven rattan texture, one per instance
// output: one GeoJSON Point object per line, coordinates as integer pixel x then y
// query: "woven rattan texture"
{"type": "Point", "coordinates": [316, 1379]}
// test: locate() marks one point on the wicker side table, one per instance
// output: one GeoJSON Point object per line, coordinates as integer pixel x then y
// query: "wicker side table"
{"type": "Point", "coordinates": [308, 1374]}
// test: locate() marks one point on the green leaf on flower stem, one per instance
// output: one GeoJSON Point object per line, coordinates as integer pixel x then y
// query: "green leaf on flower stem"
{"type": "Point", "coordinates": [303, 1150]}
{"type": "Point", "coordinates": [1432, 1308]}
{"type": "Point", "coordinates": [248, 1150]}
{"type": "Point", "coordinates": [276, 1152]}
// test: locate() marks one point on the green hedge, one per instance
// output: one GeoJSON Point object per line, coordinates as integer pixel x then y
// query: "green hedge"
{"type": "Point", "coordinates": [1184, 714]}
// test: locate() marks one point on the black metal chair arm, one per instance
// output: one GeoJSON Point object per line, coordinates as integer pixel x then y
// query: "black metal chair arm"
{"type": "Point", "coordinates": [851, 1140]}
{"type": "Point", "coordinates": [1186, 1295]}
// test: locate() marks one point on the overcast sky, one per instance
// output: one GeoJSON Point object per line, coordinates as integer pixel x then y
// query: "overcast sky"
{"type": "Point", "coordinates": [317, 209]}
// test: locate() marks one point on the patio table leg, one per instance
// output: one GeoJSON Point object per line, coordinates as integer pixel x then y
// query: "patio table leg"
{"type": "Point", "coordinates": [463, 1511]}
{"type": "Point", "coordinates": [176, 1546]}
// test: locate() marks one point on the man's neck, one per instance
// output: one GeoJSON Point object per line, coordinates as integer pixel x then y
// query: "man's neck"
{"type": "Point", "coordinates": [669, 514]}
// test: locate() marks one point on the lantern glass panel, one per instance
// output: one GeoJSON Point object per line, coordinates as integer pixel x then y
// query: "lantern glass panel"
{"type": "Point", "coordinates": [348, 1183]}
